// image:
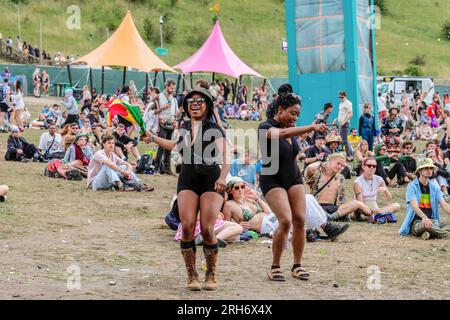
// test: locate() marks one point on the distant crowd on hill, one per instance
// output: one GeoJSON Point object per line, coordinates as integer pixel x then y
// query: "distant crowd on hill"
{"type": "Point", "coordinates": [24, 52]}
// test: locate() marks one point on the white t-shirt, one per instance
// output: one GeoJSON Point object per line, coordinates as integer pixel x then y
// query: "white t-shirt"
{"type": "Point", "coordinates": [17, 99]}
{"type": "Point", "coordinates": [169, 113]}
{"type": "Point", "coordinates": [124, 97]}
{"type": "Point", "coordinates": [345, 109]}
{"type": "Point", "coordinates": [369, 188]}
{"type": "Point", "coordinates": [97, 162]}
{"type": "Point", "coordinates": [46, 141]}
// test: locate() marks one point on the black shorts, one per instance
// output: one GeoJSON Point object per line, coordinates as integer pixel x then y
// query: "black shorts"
{"type": "Point", "coordinates": [268, 183]}
{"type": "Point", "coordinates": [329, 208]}
{"type": "Point", "coordinates": [3, 107]}
{"type": "Point", "coordinates": [190, 179]}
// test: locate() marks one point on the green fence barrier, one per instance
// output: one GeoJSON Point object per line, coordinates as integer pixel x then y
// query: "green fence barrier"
{"type": "Point", "coordinates": [59, 78]}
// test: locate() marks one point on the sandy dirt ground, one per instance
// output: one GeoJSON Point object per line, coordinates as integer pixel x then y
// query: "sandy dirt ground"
{"type": "Point", "coordinates": [52, 230]}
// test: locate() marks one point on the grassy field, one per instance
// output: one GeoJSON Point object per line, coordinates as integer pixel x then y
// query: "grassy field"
{"type": "Point", "coordinates": [124, 250]}
{"type": "Point", "coordinates": [254, 29]}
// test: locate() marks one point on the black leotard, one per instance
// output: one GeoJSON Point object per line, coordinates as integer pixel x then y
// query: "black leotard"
{"type": "Point", "coordinates": [199, 172]}
{"type": "Point", "coordinates": [288, 173]}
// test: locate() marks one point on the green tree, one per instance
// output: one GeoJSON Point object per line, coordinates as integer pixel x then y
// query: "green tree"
{"type": "Point", "coordinates": [382, 5]}
{"type": "Point", "coordinates": [446, 30]}
{"type": "Point", "coordinates": [413, 71]}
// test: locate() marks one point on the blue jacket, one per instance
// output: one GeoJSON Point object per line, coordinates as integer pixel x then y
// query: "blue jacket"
{"type": "Point", "coordinates": [413, 193]}
{"type": "Point", "coordinates": [367, 124]}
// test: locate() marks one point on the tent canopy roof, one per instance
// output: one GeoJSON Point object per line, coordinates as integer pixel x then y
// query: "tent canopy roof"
{"type": "Point", "coordinates": [215, 55]}
{"type": "Point", "coordinates": [125, 48]}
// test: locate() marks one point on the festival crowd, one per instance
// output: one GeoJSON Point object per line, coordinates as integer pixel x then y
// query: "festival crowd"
{"type": "Point", "coordinates": [239, 200]}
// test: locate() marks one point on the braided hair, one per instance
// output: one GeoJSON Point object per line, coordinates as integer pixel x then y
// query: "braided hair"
{"type": "Point", "coordinates": [272, 107]}
{"type": "Point", "coordinates": [284, 101]}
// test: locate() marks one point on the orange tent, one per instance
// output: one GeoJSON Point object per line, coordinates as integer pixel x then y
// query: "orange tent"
{"type": "Point", "coordinates": [125, 48]}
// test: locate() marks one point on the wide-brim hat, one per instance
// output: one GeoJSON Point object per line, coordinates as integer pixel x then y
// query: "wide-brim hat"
{"type": "Point", "coordinates": [80, 135]}
{"type": "Point", "coordinates": [425, 163]}
{"type": "Point", "coordinates": [318, 135]}
{"type": "Point", "coordinates": [394, 106]}
{"type": "Point", "coordinates": [209, 101]}
{"type": "Point", "coordinates": [333, 138]}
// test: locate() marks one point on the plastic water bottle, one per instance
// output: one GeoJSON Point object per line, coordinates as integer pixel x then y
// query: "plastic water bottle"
{"type": "Point", "coordinates": [203, 264]}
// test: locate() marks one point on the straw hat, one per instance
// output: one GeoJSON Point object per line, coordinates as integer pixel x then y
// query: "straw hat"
{"type": "Point", "coordinates": [333, 138]}
{"type": "Point", "coordinates": [394, 106]}
{"type": "Point", "coordinates": [425, 163]}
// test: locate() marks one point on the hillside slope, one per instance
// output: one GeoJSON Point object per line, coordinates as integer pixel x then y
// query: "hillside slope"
{"type": "Point", "coordinates": [253, 28]}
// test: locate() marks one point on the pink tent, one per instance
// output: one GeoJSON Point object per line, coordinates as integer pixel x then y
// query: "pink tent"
{"type": "Point", "coordinates": [216, 56]}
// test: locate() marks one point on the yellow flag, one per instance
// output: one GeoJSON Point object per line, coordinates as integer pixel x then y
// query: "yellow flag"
{"type": "Point", "coordinates": [215, 8]}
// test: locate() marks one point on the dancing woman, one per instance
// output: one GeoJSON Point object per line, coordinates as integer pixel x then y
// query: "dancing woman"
{"type": "Point", "coordinates": [282, 183]}
{"type": "Point", "coordinates": [201, 183]}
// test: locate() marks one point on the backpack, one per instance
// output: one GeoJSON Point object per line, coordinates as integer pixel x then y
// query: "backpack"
{"type": "Point", "coordinates": [172, 221]}
{"type": "Point", "coordinates": [74, 174]}
{"type": "Point", "coordinates": [381, 218]}
{"type": "Point", "coordinates": [145, 164]}
{"type": "Point", "coordinates": [52, 169]}
{"type": "Point", "coordinates": [56, 169]}
{"type": "Point", "coordinates": [173, 217]}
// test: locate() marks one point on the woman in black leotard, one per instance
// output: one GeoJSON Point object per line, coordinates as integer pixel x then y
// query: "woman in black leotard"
{"type": "Point", "coordinates": [281, 181]}
{"type": "Point", "coordinates": [201, 183]}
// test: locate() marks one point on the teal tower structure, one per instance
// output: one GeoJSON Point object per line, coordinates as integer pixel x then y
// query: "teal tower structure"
{"type": "Point", "coordinates": [331, 48]}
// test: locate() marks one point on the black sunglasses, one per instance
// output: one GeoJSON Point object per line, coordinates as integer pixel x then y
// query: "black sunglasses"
{"type": "Point", "coordinates": [242, 187]}
{"type": "Point", "coordinates": [198, 101]}
{"type": "Point", "coordinates": [373, 166]}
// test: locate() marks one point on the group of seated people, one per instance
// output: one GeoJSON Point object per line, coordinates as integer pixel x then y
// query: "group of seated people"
{"type": "Point", "coordinates": [241, 112]}
{"type": "Point", "coordinates": [327, 204]}
{"type": "Point", "coordinates": [102, 159]}
{"type": "Point", "coordinates": [103, 152]}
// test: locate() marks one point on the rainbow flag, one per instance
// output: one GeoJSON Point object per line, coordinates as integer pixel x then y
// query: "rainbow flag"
{"type": "Point", "coordinates": [127, 111]}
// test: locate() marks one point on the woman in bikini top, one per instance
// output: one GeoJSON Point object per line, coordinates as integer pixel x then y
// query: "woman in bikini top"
{"type": "Point", "coordinates": [244, 206]}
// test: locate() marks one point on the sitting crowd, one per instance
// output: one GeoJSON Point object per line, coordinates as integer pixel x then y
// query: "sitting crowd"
{"type": "Point", "coordinates": [102, 152]}
{"type": "Point", "coordinates": [381, 160]}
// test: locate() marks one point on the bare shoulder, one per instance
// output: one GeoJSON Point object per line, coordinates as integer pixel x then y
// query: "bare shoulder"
{"type": "Point", "coordinates": [230, 205]}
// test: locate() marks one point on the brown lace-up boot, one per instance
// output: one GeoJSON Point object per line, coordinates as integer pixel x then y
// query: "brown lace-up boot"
{"type": "Point", "coordinates": [211, 261]}
{"type": "Point", "coordinates": [189, 260]}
